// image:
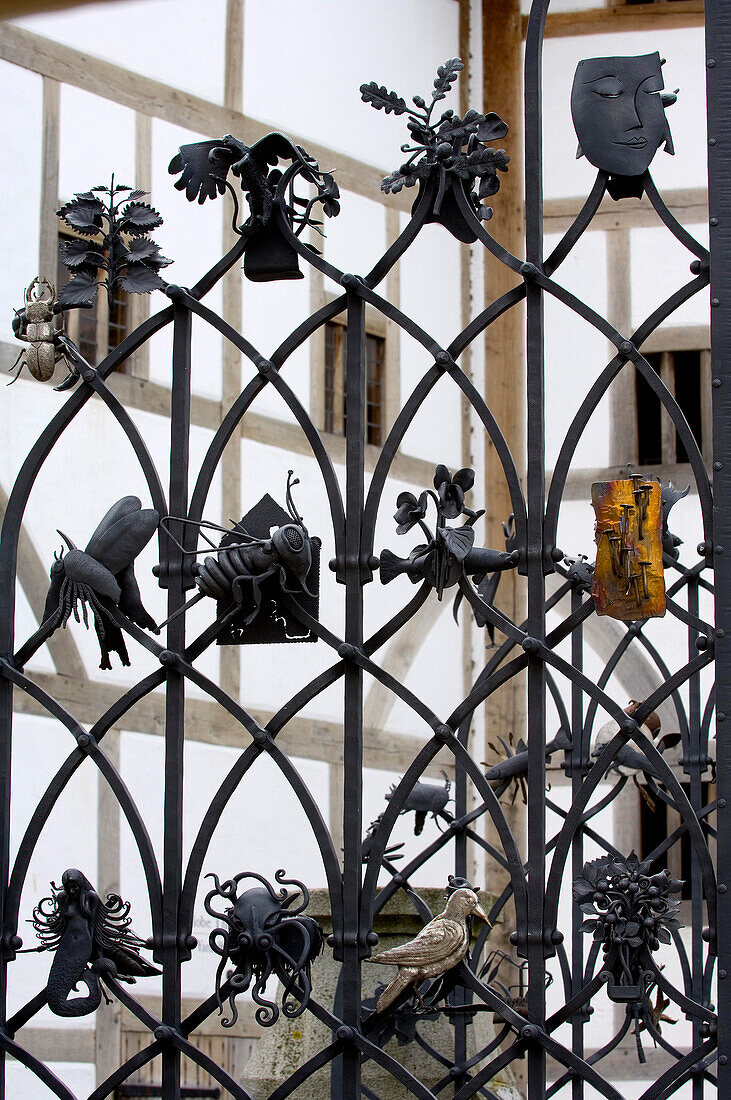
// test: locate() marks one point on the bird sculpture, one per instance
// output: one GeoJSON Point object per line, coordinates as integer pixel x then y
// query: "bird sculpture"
{"type": "Point", "coordinates": [441, 945]}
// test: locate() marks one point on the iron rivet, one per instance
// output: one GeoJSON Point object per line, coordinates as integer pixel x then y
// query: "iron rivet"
{"type": "Point", "coordinates": [722, 888]}
{"type": "Point", "coordinates": [711, 141]}
{"type": "Point", "coordinates": [721, 716]}
{"type": "Point", "coordinates": [173, 291]}
{"type": "Point", "coordinates": [349, 281]}
{"type": "Point", "coordinates": [722, 803]}
{"type": "Point", "coordinates": [722, 1060]}
{"type": "Point", "coordinates": [695, 267]}
{"type": "Point", "coordinates": [556, 554]}
{"type": "Point", "coordinates": [715, 302]}
{"type": "Point", "coordinates": [531, 645]}
{"type": "Point", "coordinates": [626, 348]}
{"type": "Point", "coordinates": [722, 973]}
{"type": "Point", "coordinates": [719, 549]}
{"type": "Point", "coordinates": [333, 564]}
{"type": "Point", "coordinates": [716, 383]}
{"type": "Point", "coordinates": [706, 935]}
{"type": "Point", "coordinates": [443, 358]}
{"type": "Point", "coordinates": [701, 643]}
{"type": "Point", "coordinates": [374, 562]}
{"type": "Point", "coordinates": [514, 938]}
{"type": "Point", "coordinates": [83, 740]}
{"type": "Point", "coordinates": [720, 633]}
{"type": "Point", "coordinates": [266, 367]}
{"type": "Point", "coordinates": [331, 940]}
{"type": "Point", "coordinates": [456, 1071]}
{"type": "Point", "coordinates": [346, 651]}
{"type": "Point", "coordinates": [443, 733]}
{"type": "Point", "coordinates": [163, 1034]}
{"type": "Point", "coordinates": [15, 943]}
{"type": "Point", "coordinates": [711, 63]}
{"type": "Point", "coordinates": [88, 374]}
{"type": "Point", "coordinates": [556, 936]}
{"type": "Point", "coordinates": [260, 736]}
{"type": "Point", "coordinates": [372, 939]}
{"type": "Point", "coordinates": [628, 726]}
{"type": "Point", "coordinates": [718, 465]}
{"type": "Point", "coordinates": [345, 1033]}
{"type": "Point", "coordinates": [191, 943]}
{"type": "Point", "coordinates": [529, 1031]}
{"type": "Point", "coordinates": [398, 880]}
{"type": "Point", "coordinates": [714, 221]}
{"type": "Point", "coordinates": [167, 657]}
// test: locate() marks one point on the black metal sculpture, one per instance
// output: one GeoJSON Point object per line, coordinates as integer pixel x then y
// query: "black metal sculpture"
{"type": "Point", "coordinates": [449, 556]}
{"type": "Point", "coordinates": [264, 937]}
{"type": "Point", "coordinates": [630, 912]}
{"type": "Point", "coordinates": [426, 798]}
{"type": "Point", "coordinates": [267, 556]}
{"type": "Point", "coordinates": [100, 578]}
{"type": "Point", "coordinates": [91, 938]}
{"type": "Point", "coordinates": [618, 107]}
{"type": "Point", "coordinates": [204, 166]}
{"type": "Point", "coordinates": [113, 223]}
{"type": "Point", "coordinates": [42, 331]}
{"type": "Point", "coordinates": [449, 148]}
{"type": "Point", "coordinates": [513, 768]}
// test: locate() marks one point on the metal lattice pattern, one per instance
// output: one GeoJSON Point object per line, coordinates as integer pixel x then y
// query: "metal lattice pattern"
{"type": "Point", "coordinates": [530, 903]}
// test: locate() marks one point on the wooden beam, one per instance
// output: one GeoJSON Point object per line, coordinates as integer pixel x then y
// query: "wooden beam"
{"type": "Point", "coordinates": [688, 205]}
{"type": "Point", "coordinates": [210, 724]}
{"type": "Point", "coordinates": [620, 18]}
{"type": "Point", "coordinates": [151, 97]}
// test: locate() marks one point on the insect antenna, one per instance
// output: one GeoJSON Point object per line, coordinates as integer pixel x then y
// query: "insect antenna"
{"type": "Point", "coordinates": [247, 539]}
{"type": "Point", "coordinates": [66, 539]}
{"type": "Point", "coordinates": [291, 507]}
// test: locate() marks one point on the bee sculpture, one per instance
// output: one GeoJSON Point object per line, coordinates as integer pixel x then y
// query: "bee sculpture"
{"type": "Point", "coordinates": [47, 346]}
{"type": "Point", "coordinates": [269, 552]}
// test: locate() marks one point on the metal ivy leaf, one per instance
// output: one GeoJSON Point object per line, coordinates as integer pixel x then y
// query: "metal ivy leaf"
{"type": "Point", "coordinates": [379, 97]}
{"type": "Point", "coordinates": [448, 147]}
{"type": "Point", "coordinates": [458, 540]}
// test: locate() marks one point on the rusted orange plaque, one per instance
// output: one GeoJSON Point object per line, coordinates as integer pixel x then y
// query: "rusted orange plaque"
{"type": "Point", "coordinates": [628, 575]}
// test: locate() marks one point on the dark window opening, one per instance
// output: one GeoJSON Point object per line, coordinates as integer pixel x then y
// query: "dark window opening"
{"type": "Point", "coordinates": [336, 398]}
{"type": "Point", "coordinates": [655, 827]}
{"type": "Point", "coordinates": [657, 440]}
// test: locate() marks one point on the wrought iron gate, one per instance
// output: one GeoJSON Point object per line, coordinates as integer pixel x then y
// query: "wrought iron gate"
{"type": "Point", "coordinates": [629, 904]}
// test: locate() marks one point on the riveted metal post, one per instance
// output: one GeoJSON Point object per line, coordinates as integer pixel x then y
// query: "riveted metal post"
{"type": "Point", "coordinates": [536, 465]}
{"type": "Point", "coordinates": [175, 699]}
{"type": "Point", "coordinates": [718, 76]}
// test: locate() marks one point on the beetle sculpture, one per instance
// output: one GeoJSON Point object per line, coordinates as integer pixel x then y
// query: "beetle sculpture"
{"type": "Point", "coordinates": [425, 798]}
{"type": "Point", "coordinates": [264, 936]}
{"type": "Point", "coordinates": [269, 553]}
{"type": "Point", "coordinates": [91, 938]}
{"type": "Point", "coordinates": [47, 346]}
{"type": "Point", "coordinates": [100, 577]}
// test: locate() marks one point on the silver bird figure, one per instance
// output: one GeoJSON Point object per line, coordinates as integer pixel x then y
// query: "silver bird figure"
{"type": "Point", "coordinates": [440, 945]}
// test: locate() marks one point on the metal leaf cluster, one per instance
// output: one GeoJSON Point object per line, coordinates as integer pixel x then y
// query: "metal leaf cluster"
{"type": "Point", "coordinates": [449, 145]}
{"type": "Point", "coordinates": [114, 249]}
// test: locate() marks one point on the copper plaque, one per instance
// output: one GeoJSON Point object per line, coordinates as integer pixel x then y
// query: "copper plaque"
{"type": "Point", "coordinates": [628, 575]}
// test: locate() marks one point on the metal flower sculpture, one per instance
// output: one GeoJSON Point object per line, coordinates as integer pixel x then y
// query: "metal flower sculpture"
{"type": "Point", "coordinates": [264, 937]}
{"type": "Point", "coordinates": [203, 168]}
{"type": "Point", "coordinates": [113, 223]}
{"type": "Point", "coordinates": [630, 911]}
{"type": "Point", "coordinates": [448, 147]}
{"type": "Point", "coordinates": [265, 558]}
{"type": "Point", "coordinates": [449, 555]}
{"type": "Point", "coordinates": [91, 939]}
{"type": "Point", "coordinates": [100, 577]}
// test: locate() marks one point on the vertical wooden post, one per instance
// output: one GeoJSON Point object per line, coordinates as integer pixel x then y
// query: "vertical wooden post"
{"type": "Point", "coordinates": [623, 440]}
{"type": "Point", "coordinates": [505, 710]}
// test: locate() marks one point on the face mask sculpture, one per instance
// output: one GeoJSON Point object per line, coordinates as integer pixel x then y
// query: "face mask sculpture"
{"type": "Point", "coordinates": [618, 108]}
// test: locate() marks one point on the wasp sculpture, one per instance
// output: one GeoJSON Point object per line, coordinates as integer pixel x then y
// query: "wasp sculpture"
{"type": "Point", "coordinates": [250, 570]}
{"type": "Point", "coordinates": [47, 346]}
{"type": "Point", "coordinates": [100, 577]}
{"type": "Point", "coordinates": [91, 939]}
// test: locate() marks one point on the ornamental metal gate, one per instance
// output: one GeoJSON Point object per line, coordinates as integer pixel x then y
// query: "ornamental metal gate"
{"type": "Point", "coordinates": [262, 581]}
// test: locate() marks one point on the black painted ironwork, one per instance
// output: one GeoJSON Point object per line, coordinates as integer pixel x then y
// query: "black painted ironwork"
{"type": "Point", "coordinates": [446, 161]}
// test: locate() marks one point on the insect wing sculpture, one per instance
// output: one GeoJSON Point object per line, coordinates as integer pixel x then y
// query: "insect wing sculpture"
{"type": "Point", "coordinates": [91, 939]}
{"type": "Point", "coordinates": [264, 936]}
{"type": "Point", "coordinates": [618, 108]}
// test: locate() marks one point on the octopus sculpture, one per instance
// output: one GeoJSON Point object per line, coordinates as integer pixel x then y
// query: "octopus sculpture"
{"type": "Point", "coordinates": [263, 936]}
